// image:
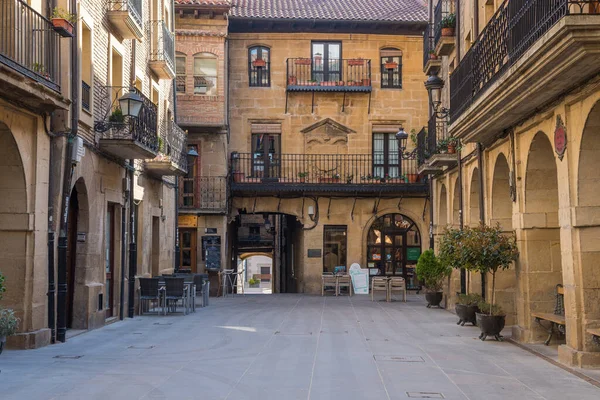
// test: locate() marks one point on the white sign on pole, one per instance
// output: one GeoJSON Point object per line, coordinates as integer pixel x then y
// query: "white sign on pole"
{"type": "Point", "coordinates": [360, 279]}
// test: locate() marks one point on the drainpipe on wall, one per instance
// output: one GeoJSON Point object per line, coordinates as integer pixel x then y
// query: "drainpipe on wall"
{"type": "Point", "coordinates": [51, 242]}
{"type": "Point", "coordinates": [458, 37]}
{"type": "Point", "coordinates": [176, 187]}
{"type": "Point", "coordinates": [481, 203]}
{"type": "Point", "coordinates": [67, 178]}
{"type": "Point", "coordinates": [126, 185]}
{"type": "Point", "coordinates": [463, 272]}
{"type": "Point", "coordinates": [132, 243]}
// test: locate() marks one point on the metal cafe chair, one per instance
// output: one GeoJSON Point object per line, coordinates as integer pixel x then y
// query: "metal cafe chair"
{"type": "Point", "coordinates": [149, 292]}
{"type": "Point", "coordinates": [175, 290]}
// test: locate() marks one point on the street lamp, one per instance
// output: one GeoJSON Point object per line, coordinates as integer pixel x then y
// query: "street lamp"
{"type": "Point", "coordinates": [434, 86]}
{"type": "Point", "coordinates": [401, 137]}
{"type": "Point", "coordinates": [267, 222]}
{"type": "Point", "coordinates": [192, 155]}
{"type": "Point", "coordinates": [131, 104]}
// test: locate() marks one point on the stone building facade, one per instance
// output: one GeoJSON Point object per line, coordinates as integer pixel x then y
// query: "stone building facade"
{"type": "Point", "coordinates": [310, 111]}
{"type": "Point", "coordinates": [528, 126]}
{"type": "Point", "coordinates": [118, 198]}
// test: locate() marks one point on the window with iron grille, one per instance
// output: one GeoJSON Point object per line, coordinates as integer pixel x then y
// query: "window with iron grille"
{"type": "Point", "coordinates": [259, 66]}
{"type": "Point", "coordinates": [188, 190]}
{"type": "Point", "coordinates": [180, 72]}
{"type": "Point", "coordinates": [391, 68]}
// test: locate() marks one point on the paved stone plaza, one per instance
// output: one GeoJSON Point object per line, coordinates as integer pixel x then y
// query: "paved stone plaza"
{"type": "Point", "coordinates": [288, 347]}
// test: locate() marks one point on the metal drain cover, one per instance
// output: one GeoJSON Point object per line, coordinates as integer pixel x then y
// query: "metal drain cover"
{"type": "Point", "coordinates": [141, 347]}
{"type": "Point", "coordinates": [425, 395]}
{"type": "Point", "coordinates": [163, 323]}
{"type": "Point", "coordinates": [400, 358]}
{"type": "Point", "coordinates": [68, 357]}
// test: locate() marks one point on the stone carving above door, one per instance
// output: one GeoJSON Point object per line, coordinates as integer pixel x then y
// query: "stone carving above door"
{"type": "Point", "coordinates": [326, 137]}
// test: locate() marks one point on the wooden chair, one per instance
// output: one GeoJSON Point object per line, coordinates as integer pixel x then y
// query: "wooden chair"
{"type": "Point", "coordinates": [328, 281]}
{"type": "Point", "coordinates": [398, 284]}
{"type": "Point", "coordinates": [344, 281]}
{"type": "Point", "coordinates": [379, 283]}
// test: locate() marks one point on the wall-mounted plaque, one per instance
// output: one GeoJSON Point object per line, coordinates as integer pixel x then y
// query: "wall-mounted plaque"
{"type": "Point", "coordinates": [314, 253]}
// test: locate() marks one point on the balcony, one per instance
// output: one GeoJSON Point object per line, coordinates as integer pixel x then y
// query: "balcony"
{"type": "Point", "coordinates": [172, 156]}
{"type": "Point", "coordinates": [162, 55]}
{"type": "Point", "coordinates": [444, 39]}
{"type": "Point", "coordinates": [531, 52]}
{"type": "Point", "coordinates": [431, 62]}
{"type": "Point", "coordinates": [436, 150]}
{"type": "Point", "coordinates": [30, 47]}
{"type": "Point", "coordinates": [126, 18]}
{"type": "Point", "coordinates": [206, 194]}
{"type": "Point", "coordinates": [314, 174]}
{"type": "Point", "coordinates": [126, 137]}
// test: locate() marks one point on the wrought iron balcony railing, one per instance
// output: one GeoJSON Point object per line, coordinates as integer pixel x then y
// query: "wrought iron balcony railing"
{"type": "Point", "coordinates": [324, 169]}
{"type": "Point", "coordinates": [514, 28]}
{"type": "Point", "coordinates": [163, 44]}
{"type": "Point", "coordinates": [441, 11]}
{"type": "Point", "coordinates": [85, 96]}
{"type": "Point", "coordinates": [113, 125]}
{"type": "Point", "coordinates": [134, 7]}
{"type": "Point", "coordinates": [206, 193]}
{"type": "Point", "coordinates": [428, 45]}
{"type": "Point", "coordinates": [29, 44]}
{"type": "Point", "coordinates": [322, 74]}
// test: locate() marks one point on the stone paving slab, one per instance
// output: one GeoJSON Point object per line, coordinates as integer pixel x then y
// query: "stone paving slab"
{"type": "Point", "coordinates": [288, 347]}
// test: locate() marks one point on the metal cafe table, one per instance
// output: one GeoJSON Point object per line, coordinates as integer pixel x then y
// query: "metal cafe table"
{"type": "Point", "coordinates": [189, 292]}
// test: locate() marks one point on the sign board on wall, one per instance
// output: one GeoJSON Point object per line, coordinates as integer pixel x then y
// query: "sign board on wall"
{"type": "Point", "coordinates": [188, 221]}
{"type": "Point", "coordinates": [314, 253]}
{"type": "Point", "coordinates": [413, 253]}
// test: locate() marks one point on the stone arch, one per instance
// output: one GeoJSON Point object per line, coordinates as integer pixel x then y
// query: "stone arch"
{"type": "Point", "coordinates": [443, 208]}
{"type": "Point", "coordinates": [541, 186]}
{"type": "Point", "coordinates": [501, 205]}
{"type": "Point", "coordinates": [474, 198]}
{"type": "Point", "coordinates": [15, 246]}
{"type": "Point", "coordinates": [418, 219]}
{"type": "Point", "coordinates": [456, 204]}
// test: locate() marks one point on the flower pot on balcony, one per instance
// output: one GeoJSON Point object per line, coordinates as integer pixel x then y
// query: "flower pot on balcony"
{"type": "Point", "coordinates": [340, 83]}
{"type": "Point", "coordinates": [238, 177]}
{"type": "Point", "coordinates": [356, 61]}
{"type": "Point", "coordinates": [451, 148]}
{"type": "Point", "coordinates": [448, 32]}
{"type": "Point", "coordinates": [259, 63]}
{"type": "Point", "coordinates": [63, 27]}
{"type": "Point", "coordinates": [366, 82]}
{"type": "Point", "coordinates": [329, 180]}
{"type": "Point", "coordinates": [292, 80]}
{"type": "Point", "coordinates": [433, 56]}
{"type": "Point", "coordinates": [412, 178]}
{"type": "Point", "coordinates": [391, 65]}
{"type": "Point", "coordinates": [302, 61]}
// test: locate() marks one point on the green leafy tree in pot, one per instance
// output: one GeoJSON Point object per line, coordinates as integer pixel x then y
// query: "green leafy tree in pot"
{"type": "Point", "coordinates": [8, 322]}
{"type": "Point", "coordinates": [432, 272]}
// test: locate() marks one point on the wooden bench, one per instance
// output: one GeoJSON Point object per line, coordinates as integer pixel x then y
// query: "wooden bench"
{"type": "Point", "coordinates": [595, 335]}
{"type": "Point", "coordinates": [556, 319]}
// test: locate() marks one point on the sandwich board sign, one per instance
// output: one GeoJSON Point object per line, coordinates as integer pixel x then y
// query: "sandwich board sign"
{"type": "Point", "coordinates": [360, 279]}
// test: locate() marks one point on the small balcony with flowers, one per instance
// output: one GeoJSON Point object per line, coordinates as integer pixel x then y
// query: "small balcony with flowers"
{"type": "Point", "coordinates": [125, 16]}
{"type": "Point", "coordinates": [162, 53]}
{"type": "Point", "coordinates": [172, 155]}
{"type": "Point", "coordinates": [436, 148]}
{"type": "Point", "coordinates": [444, 24]}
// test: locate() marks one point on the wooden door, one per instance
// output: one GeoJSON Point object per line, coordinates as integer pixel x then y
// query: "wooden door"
{"type": "Point", "coordinates": [187, 248]}
{"type": "Point", "coordinates": [109, 259]}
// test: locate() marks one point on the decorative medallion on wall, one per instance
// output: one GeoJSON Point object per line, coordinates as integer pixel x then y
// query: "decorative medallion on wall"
{"type": "Point", "coordinates": [560, 138]}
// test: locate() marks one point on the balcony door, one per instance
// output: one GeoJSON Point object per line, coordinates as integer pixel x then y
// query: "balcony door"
{"type": "Point", "coordinates": [326, 61]}
{"type": "Point", "coordinates": [385, 156]}
{"type": "Point", "coordinates": [266, 155]}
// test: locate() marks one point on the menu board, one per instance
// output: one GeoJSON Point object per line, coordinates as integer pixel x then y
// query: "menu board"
{"type": "Point", "coordinates": [413, 253]}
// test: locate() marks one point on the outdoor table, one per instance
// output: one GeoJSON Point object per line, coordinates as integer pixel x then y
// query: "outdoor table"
{"type": "Point", "coordinates": [189, 289]}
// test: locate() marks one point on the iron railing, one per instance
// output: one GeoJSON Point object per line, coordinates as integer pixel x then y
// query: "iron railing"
{"type": "Point", "coordinates": [142, 129]}
{"type": "Point", "coordinates": [180, 83]}
{"type": "Point", "coordinates": [29, 44]}
{"type": "Point", "coordinates": [514, 28]}
{"type": "Point", "coordinates": [173, 145]}
{"type": "Point", "coordinates": [441, 11]}
{"type": "Point", "coordinates": [134, 7]}
{"type": "Point", "coordinates": [259, 75]}
{"type": "Point", "coordinates": [163, 43]}
{"type": "Point", "coordinates": [85, 96]}
{"type": "Point", "coordinates": [322, 168]}
{"type": "Point", "coordinates": [208, 193]}
{"type": "Point", "coordinates": [422, 150]}
{"type": "Point", "coordinates": [428, 44]}
{"type": "Point", "coordinates": [326, 74]}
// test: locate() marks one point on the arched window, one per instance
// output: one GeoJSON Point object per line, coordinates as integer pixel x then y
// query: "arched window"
{"type": "Point", "coordinates": [205, 74]}
{"type": "Point", "coordinates": [393, 248]}
{"type": "Point", "coordinates": [180, 59]}
{"type": "Point", "coordinates": [259, 66]}
{"type": "Point", "coordinates": [391, 68]}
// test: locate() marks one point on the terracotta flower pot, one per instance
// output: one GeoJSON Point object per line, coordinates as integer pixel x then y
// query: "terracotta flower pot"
{"type": "Point", "coordinates": [433, 56]}
{"type": "Point", "coordinates": [292, 80]}
{"type": "Point", "coordinates": [451, 148]}
{"type": "Point", "coordinates": [447, 31]}
{"type": "Point", "coordinates": [466, 313]}
{"type": "Point", "coordinates": [412, 178]}
{"type": "Point", "coordinates": [238, 177]}
{"type": "Point", "coordinates": [491, 325]}
{"type": "Point", "coordinates": [366, 82]}
{"type": "Point", "coordinates": [63, 27]}
{"type": "Point", "coordinates": [434, 299]}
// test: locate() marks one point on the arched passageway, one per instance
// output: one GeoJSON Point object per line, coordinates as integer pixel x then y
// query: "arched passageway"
{"type": "Point", "coordinates": [501, 213]}
{"type": "Point", "coordinates": [456, 204]}
{"type": "Point", "coordinates": [443, 208]}
{"type": "Point", "coordinates": [256, 273]}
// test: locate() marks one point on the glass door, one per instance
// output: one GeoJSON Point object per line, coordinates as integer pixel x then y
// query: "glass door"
{"type": "Point", "coordinates": [326, 61]}
{"type": "Point", "coordinates": [187, 247]}
{"type": "Point", "coordinates": [266, 155]}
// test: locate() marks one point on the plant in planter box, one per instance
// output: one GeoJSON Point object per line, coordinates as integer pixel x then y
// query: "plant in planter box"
{"type": "Point", "coordinates": [432, 55]}
{"type": "Point", "coordinates": [487, 249]}
{"type": "Point", "coordinates": [117, 116]}
{"type": "Point", "coordinates": [448, 24]}
{"type": "Point", "coordinates": [466, 308]}
{"type": "Point", "coordinates": [391, 65]}
{"type": "Point", "coordinates": [432, 272]}
{"type": "Point", "coordinates": [302, 176]}
{"type": "Point", "coordinates": [63, 22]}
{"type": "Point", "coordinates": [442, 146]}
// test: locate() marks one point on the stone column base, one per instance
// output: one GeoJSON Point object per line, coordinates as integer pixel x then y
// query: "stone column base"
{"type": "Point", "coordinates": [578, 358]}
{"type": "Point", "coordinates": [29, 340]}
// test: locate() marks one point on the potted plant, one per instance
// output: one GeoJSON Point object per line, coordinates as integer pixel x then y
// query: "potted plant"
{"type": "Point", "coordinates": [432, 55]}
{"type": "Point", "coordinates": [349, 178]}
{"type": "Point", "coordinates": [117, 116]}
{"type": "Point", "coordinates": [8, 322]}
{"type": "Point", "coordinates": [448, 24]}
{"type": "Point", "coordinates": [302, 176]}
{"type": "Point", "coordinates": [442, 146]}
{"type": "Point", "coordinates": [391, 65]}
{"type": "Point", "coordinates": [356, 61]}
{"type": "Point", "coordinates": [63, 21]}
{"type": "Point", "coordinates": [432, 272]}
{"type": "Point", "coordinates": [452, 145]}
{"type": "Point", "coordinates": [467, 307]}
{"type": "Point", "coordinates": [487, 249]}
{"type": "Point", "coordinates": [254, 283]}
{"type": "Point", "coordinates": [366, 82]}
{"type": "Point", "coordinates": [292, 80]}
{"type": "Point", "coordinates": [412, 178]}
{"type": "Point", "coordinates": [259, 63]}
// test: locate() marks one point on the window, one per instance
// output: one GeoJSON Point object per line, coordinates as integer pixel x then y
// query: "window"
{"type": "Point", "coordinates": [334, 247]}
{"type": "Point", "coordinates": [259, 66]}
{"type": "Point", "coordinates": [326, 61]}
{"type": "Point", "coordinates": [266, 150]}
{"type": "Point", "coordinates": [391, 68]}
{"type": "Point", "coordinates": [86, 67]}
{"type": "Point", "coordinates": [385, 155]}
{"type": "Point", "coordinates": [180, 72]}
{"type": "Point", "coordinates": [188, 190]}
{"type": "Point", "coordinates": [205, 74]}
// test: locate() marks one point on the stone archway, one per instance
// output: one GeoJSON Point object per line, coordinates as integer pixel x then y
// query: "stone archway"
{"type": "Point", "coordinates": [501, 212]}
{"type": "Point", "coordinates": [456, 204]}
{"type": "Point", "coordinates": [539, 240]}
{"type": "Point", "coordinates": [15, 252]}
{"type": "Point", "coordinates": [443, 208]}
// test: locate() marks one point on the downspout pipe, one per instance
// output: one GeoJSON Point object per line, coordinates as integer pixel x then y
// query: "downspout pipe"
{"type": "Point", "coordinates": [51, 242]}
{"type": "Point", "coordinates": [123, 249]}
{"type": "Point", "coordinates": [177, 255]}
{"type": "Point", "coordinates": [132, 217]}
{"type": "Point", "coordinates": [463, 272]}
{"type": "Point", "coordinates": [61, 333]}
{"type": "Point", "coordinates": [481, 204]}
